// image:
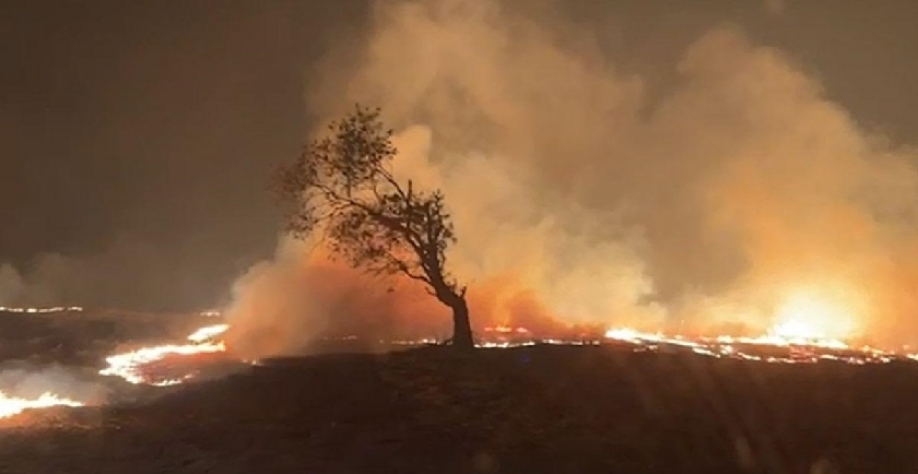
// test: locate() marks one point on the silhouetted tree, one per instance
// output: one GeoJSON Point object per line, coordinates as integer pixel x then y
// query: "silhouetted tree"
{"type": "Point", "coordinates": [342, 185]}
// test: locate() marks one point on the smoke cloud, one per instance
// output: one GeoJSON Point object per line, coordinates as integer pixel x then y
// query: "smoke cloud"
{"type": "Point", "coordinates": [735, 196]}
{"type": "Point", "coordinates": [11, 284]}
{"type": "Point", "coordinates": [31, 383]}
{"type": "Point", "coordinates": [128, 274]}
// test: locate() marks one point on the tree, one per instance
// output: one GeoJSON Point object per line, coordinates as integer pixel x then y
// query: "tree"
{"type": "Point", "coordinates": [342, 185]}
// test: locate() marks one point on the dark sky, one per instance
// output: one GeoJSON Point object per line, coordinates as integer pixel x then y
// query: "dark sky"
{"type": "Point", "coordinates": [157, 122]}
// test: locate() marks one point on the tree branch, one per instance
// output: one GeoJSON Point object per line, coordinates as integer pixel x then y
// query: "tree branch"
{"type": "Point", "coordinates": [390, 222]}
{"type": "Point", "coordinates": [343, 186]}
{"type": "Point", "coordinates": [414, 276]}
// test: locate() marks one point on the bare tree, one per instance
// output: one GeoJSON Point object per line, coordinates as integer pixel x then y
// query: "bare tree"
{"type": "Point", "coordinates": [342, 185]}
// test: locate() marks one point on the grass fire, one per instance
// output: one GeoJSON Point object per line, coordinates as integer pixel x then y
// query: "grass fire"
{"type": "Point", "coordinates": [458, 236]}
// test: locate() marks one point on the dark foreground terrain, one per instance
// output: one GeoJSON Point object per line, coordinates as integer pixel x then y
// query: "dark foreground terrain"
{"type": "Point", "coordinates": [545, 409]}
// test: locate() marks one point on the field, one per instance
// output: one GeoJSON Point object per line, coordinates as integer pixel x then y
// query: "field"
{"type": "Point", "coordinates": [83, 338]}
{"type": "Point", "coordinates": [541, 409]}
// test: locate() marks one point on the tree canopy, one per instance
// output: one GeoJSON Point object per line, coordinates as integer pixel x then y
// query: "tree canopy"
{"type": "Point", "coordinates": [342, 186]}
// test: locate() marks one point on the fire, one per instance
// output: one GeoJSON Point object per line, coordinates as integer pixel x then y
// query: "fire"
{"type": "Point", "coordinates": [46, 310]}
{"type": "Point", "coordinates": [10, 406]}
{"type": "Point", "coordinates": [805, 324]}
{"type": "Point", "coordinates": [795, 329]}
{"type": "Point", "coordinates": [630, 335]}
{"type": "Point", "coordinates": [506, 330]}
{"type": "Point", "coordinates": [796, 347]}
{"type": "Point", "coordinates": [208, 332]}
{"type": "Point", "coordinates": [810, 323]}
{"type": "Point", "coordinates": [131, 366]}
{"type": "Point", "coordinates": [809, 315]}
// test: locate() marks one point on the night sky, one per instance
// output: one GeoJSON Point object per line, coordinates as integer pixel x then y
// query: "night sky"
{"type": "Point", "coordinates": [139, 136]}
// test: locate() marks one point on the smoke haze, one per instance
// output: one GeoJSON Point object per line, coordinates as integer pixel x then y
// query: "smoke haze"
{"type": "Point", "coordinates": [580, 198]}
{"type": "Point", "coordinates": [128, 274]}
{"type": "Point", "coordinates": [705, 165]}
{"type": "Point", "coordinates": [30, 383]}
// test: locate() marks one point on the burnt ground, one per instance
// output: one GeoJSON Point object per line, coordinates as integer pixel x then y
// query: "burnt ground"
{"type": "Point", "coordinates": [544, 409]}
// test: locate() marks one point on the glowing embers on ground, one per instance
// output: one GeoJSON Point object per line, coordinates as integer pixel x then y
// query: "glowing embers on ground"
{"type": "Point", "coordinates": [208, 332]}
{"type": "Point", "coordinates": [809, 324]}
{"type": "Point", "coordinates": [167, 364]}
{"type": "Point", "coordinates": [771, 347]}
{"type": "Point", "coordinates": [43, 310]}
{"type": "Point", "coordinates": [11, 406]}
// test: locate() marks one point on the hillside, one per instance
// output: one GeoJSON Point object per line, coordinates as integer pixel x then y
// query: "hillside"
{"type": "Point", "coordinates": [84, 338]}
{"type": "Point", "coordinates": [539, 409]}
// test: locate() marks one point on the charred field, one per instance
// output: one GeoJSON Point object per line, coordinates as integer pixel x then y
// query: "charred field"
{"type": "Point", "coordinates": [529, 409]}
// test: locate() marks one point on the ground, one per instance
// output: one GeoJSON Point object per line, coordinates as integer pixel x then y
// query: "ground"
{"type": "Point", "coordinates": [543, 409]}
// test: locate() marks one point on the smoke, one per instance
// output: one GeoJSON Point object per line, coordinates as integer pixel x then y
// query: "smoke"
{"type": "Point", "coordinates": [30, 383]}
{"type": "Point", "coordinates": [11, 284]}
{"type": "Point", "coordinates": [284, 305]}
{"type": "Point", "coordinates": [128, 274]}
{"type": "Point", "coordinates": [775, 7]}
{"type": "Point", "coordinates": [738, 194]}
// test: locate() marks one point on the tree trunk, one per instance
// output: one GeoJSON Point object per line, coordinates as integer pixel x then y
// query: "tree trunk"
{"type": "Point", "coordinates": [462, 327]}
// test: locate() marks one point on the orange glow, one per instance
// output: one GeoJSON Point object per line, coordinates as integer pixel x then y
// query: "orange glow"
{"type": "Point", "coordinates": [208, 332]}
{"type": "Point", "coordinates": [10, 406]}
{"type": "Point", "coordinates": [130, 365]}
{"type": "Point", "coordinates": [814, 314]}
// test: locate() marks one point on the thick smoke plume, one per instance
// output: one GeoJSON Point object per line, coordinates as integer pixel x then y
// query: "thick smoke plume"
{"type": "Point", "coordinates": [581, 200]}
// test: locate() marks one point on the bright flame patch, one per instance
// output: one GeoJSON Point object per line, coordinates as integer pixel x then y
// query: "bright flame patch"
{"type": "Point", "coordinates": [130, 366]}
{"type": "Point", "coordinates": [826, 311]}
{"type": "Point", "coordinates": [208, 332]}
{"type": "Point", "coordinates": [10, 406]}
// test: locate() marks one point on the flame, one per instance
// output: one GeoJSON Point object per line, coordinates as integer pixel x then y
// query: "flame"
{"type": "Point", "coordinates": [795, 329]}
{"type": "Point", "coordinates": [804, 322]}
{"type": "Point", "coordinates": [771, 347]}
{"type": "Point", "coordinates": [630, 335]}
{"type": "Point", "coordinates": [208, 332]}
{"type": "Point", "coordinates": [10, 406]}
{"type": "Point", "coordinates": [506, 329]}
{"type": "Point", "coordinates": [36, 310]}
{"type": "Point", "coordinates": [131, 366]}
{"type": "Point", "coordinates": [811, 314]}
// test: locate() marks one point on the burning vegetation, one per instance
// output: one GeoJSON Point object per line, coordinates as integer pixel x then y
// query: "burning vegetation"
{"type": "Point", "coordinates": [796, 337]}
{"type": "Point", "coordinates": [345, 195]}
{"type": "Point", "coordinates": [149, 365]}
{"type": "Point", "coordinates": [10, 406]}
{"type": "Point", "coordinates": [732, 240]}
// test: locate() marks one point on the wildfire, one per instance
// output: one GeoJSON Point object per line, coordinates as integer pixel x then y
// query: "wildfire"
{"type": "Point", "coordinates": [807, 327]}
{"type": "Point", "coordinates": [208, 332]}
{"type": "Point", "coordinates": [133, 366]}
{"type": "Point", "coordinates": [807, 314]}
{"type": "Point", "coordinates": [32, 310]}
{"type": "Point", "coordinates": [810, 323]}
{"type": "Point", "coordinates": [797, 336]}
{"type": "Point", "coordinates": [784, 343]}
{"type": "Point", "coordinates": [10, 406]}
{"type": "Point", "coordinates": [506, 330]}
